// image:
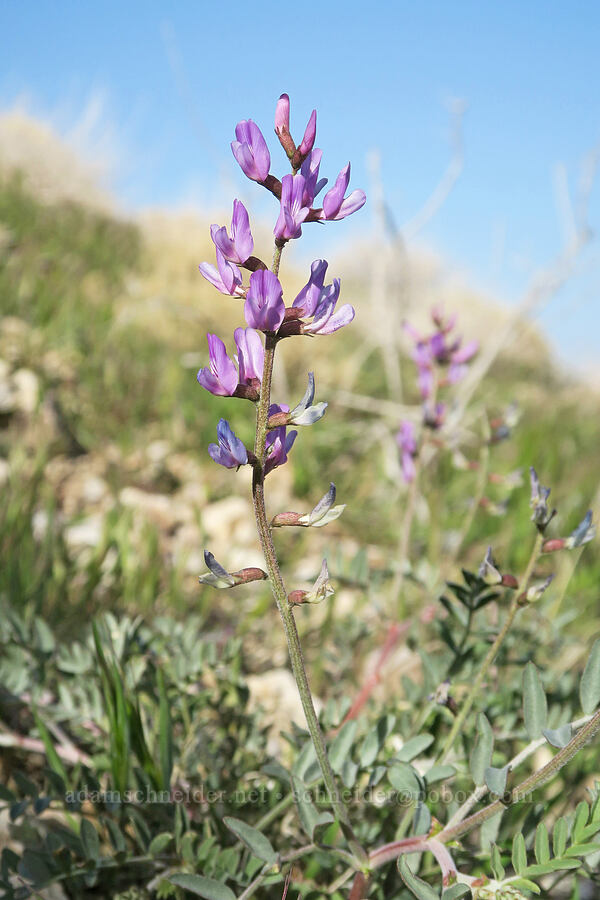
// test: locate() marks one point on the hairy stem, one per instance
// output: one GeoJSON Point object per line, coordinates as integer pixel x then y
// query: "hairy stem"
{"type": "Point", "coordinates": [280, 591]}
{"type": "Point", "coordinates": [492, 652]}
{"type": "Point", "coordinates": [530, 784]}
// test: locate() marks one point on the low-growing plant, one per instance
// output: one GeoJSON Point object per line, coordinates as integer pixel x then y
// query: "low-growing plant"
{"type": "Point", "coordinates": [158, 775]}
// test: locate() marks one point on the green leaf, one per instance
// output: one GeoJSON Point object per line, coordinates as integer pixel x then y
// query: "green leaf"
{"type": "Point", "coordinates": [496, 863]}
{"type": "Point", "coordinates": [404, 779]}
{"type": "Point", "coordinates": [32, 866]}
{"type": "Point", "coordinates": [306, 759]}
{"type": "Point", "coordinates": [54, 760]}
{"type": "Point", "coordinates": [535, 707]}
{"type": "Point", "coordinates": [525, 885]}
{"type": "Point", "coordinates": [417, 886]}
{"type": "Point", "coordinates": [89, 840]}
{"type": "Point", "coordinates": [589, 689]}
{"type": "Point", "coordinates": [542, 844]}
{"type": "Point", "coordinates": [439, 773]}
{"type": "Point", "coordinates": [165, 733]}
{"type": "Point", "coordinates": [496, 779]}
{"type": "Point", "coordinates": [559, 837]}
{"type": "Point", "coordinates": [582, 849]}
{"type": "Point", "coordinates": [160, 843]}
{"type": "Point", "coordinates": [519, 854]}
{"type": "Point", "coordinates": [456, 892]}
{"type": "Point", "coordinates": [341, 745]}
{"type": "Point", "coordinates": [202, 887]}
{"type": "Point", "coordinates": [414, 747]}
{"type": "Point", "coordinates": [558, 737]}
{"type": "Point", "coordinates": [254, 839]}
{"type": "Point", "coordinates": [310, 818]}
{"type": "Point", "coordinates": [369, 749]}
{"type": "Point", "coordinates": [481, 754]}
{"type": "Point", "coordinates": [580, 821]}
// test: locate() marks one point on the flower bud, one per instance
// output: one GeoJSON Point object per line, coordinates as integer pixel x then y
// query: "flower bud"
{"type": "Point", "coordinates": [218, 577]}
{"type": "Point", "coordinates": [488, 571]}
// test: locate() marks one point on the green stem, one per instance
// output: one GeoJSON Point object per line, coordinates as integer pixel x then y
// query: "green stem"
{"type": "Point", "coordinates": [279, 589]}
{"type": "Point", "coordinates": [491, 655]}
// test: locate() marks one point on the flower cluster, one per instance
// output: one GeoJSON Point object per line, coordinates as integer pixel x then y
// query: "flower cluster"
{"type": "Point", "coordinates": [315, 309]}
{"type": "Point", "coordinates": [441, 360]}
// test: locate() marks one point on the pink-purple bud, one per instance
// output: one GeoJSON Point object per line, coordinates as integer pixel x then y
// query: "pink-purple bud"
{"type": "Point", "coordinates": [308, 141]}
{"type": "Point", "coordinates": [282, 115]}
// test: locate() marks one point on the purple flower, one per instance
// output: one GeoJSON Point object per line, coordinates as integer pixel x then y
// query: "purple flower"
{"type": "Point", "coordinates": [251, 355]}
{"type": "Point", "coordinates": [251, 151]}
{"type": "Point", "coordinates": [310, 171]}
{"type": "Point", "coordinates": [227, 278]}
{"type": "Point", "coordinates": [408, 447]}
{"type": "Point", "coordinates": [308, 298]}
{"type": "Point", "coordinates": [264, 308]}
{"type": "Point", "coordinates": [220, 376]}
{"type": "Point", "coordinates": [335, 205]}
{"type": "Point", "coordinates": [308, 141]}
{"type": "Point", "coordinates": [230, 451]}
{"type": "Point", "coordinates": [240, 245]}
{"type": "Point", "coordinates": [278, 443]}
{"type": "Point", "coordinates": [439, 349]}
{"type": "Point", "coordinates": [293, 211]}
{"type": "Point", "coordinates": [325, 320]}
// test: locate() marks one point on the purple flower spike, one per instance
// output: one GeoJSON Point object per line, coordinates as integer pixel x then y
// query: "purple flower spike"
{"type": "Point", "coordinates": [264, 308]}
{"type": "Point", "coordinates": [293, 211]}
{"type": "Point", "coordinates": [251, 151]}
{"type": "Point", "coordinates": [309, 296]}
{"type": "Point", "coordinates": [278, 443]}
{"type": "Point", "coordinates": [325, 320]}
{"type": "Point", "coordinates": [308, 141]}
{"type": "Point", "coordinates": [408, 447]}
{"type": "Point", "coordinates": [227, 278]}
{"type": "Point", "coordinates": [335, 206]}
{"type": "Point", "coordinates": [240, 245]}
{"type": "Point", "coordinates": [230, 451]}
{"type": "Point", "coordinates": [251, 355]}
{"type": "Point", "coordinates": [310, 171]}
{"type": "Point", "coordinates": [220, 376]}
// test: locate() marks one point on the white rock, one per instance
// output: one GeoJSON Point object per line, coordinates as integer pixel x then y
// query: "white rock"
{"type": "Point", "coordinates": [26, 389]}
{"type": "Point", "coordinates": [87, 533]}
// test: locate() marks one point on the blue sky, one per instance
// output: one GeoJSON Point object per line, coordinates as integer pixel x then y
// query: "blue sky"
{"type": "Point", "coordinates": [177, 76]}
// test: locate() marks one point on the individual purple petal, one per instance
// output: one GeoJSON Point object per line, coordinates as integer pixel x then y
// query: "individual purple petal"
{"type": "Point", "coordinates": [310, 170]}
{"type": "Point", "coordinates": [425, 381]}
{"type": "Point", "coordinates": [251, 151]}
{"type": "Point", "coordinates": [355, 201]}
{"type": "Point", "coordinates": [334, 205]}
{"type": "Point", "coordinates": [309, 296]}
{"type": "Point", "coordinates": [240, 245]}
{"type": "Point", "coordinates": [292, 212]}
{"type": "Point", "coordinates": [334, 197]}
{"type": "Point", "coordinates": [264, 308]}
{"type": "Point", "coordinates": [466, 353]}
{"type": "Point", "coordinates": [325, 321]}
{"type": "Point", "coordinates": [227, 278]}
{"type": "Point", "coordinates": [308, 141]}
{"type": "Point", "coordinates": [220, 376]}
{"type": "Point", "coordinates": [439, 348]}
{"type": "Point", "coordinates": [251, 354]}
{"type": "Point", "coordinates": [230, 451]}
{"type": "Point", "coordinates": [282, 115]}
